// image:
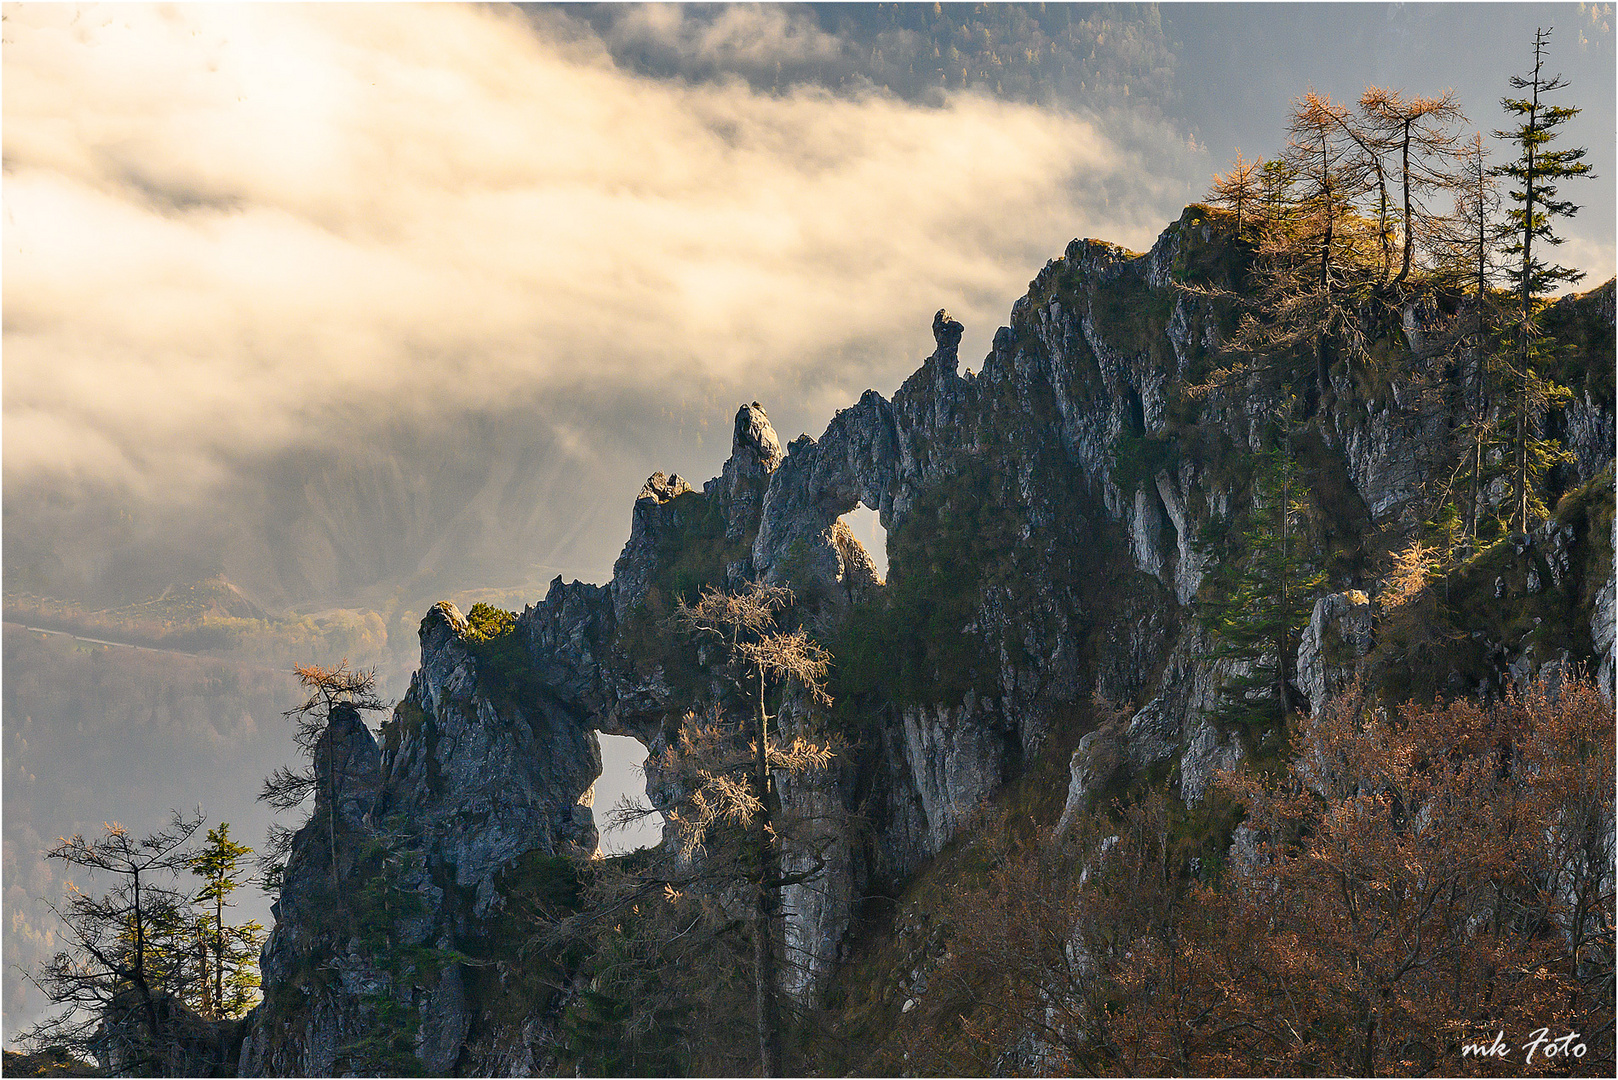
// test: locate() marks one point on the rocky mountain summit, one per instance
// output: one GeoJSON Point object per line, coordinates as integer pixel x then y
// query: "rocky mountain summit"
{"type": "Point", "coordinates": [1046, 519]}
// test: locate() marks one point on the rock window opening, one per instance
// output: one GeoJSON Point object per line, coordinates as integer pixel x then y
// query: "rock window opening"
{"type": "Point", "coordinates": [623, 772]}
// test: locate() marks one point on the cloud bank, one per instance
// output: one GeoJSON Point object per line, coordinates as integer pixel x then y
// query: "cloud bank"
{"type": "Point", "coordinates": [231, 230]}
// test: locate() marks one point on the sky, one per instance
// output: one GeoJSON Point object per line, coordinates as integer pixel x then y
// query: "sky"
{"type": "Point", "coordinates": [359, 302]}
{"type": "Point", "coordinates": [237, 233]}
{"type": "Point", "coordinates": [249, 250]}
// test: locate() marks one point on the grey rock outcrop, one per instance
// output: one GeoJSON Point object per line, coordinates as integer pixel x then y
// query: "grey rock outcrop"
{"type": "Point", "coordinates": [1094, 764]}
{"type": "Point", "coordinates": [1176, 725]}
{"type": "Point", "coordinates": [755, 454]}
{"type": "Point", "coordinates": [1588, 436]}
{"type": "Point", "coordinates": [487, 771]}
{"type": "Point", "coordinates": [475, 775]}
{"type": "Point", "coordinates": [348, 750]}
{"type": "Point", "coordinates": [1339, 633]}
{"type": "Point", "coordinates": [1208, 753]}
{"type": "Point", "coordinates": [956, 757]}
{"type": "Point", "coordinates": [653, 514]}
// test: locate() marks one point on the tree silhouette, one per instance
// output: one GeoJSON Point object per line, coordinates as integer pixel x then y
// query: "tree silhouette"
{"type": "Point", "coordinates": [325, 730]}
{"type": "Point", "coordinates": [1535, 173]}
{"type": "Point", "coordinates": [118, 975]}
{"type": "Point", "coordinates": [1416, 128]}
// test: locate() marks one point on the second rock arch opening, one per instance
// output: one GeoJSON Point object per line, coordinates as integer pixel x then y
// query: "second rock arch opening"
{"type": "Point", "coordinates": [863, 522]}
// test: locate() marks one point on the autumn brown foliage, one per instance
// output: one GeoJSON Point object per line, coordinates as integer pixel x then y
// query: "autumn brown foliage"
{"type": "Point", "coordinates": [1410, 885]}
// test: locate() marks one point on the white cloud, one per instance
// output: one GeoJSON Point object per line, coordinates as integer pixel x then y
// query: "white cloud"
{"type": "Point", "coordinates": [740, 35]}
{"type": "Point", "coordinates": [226, 225]}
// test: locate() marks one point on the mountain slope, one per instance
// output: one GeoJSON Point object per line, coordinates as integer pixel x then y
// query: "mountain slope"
{"type": "Point", "coordinates": [1048, 519]}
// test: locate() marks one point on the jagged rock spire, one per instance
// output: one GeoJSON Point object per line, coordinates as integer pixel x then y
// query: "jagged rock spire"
{"type": "Point", "coordinates": [947, 336]}
{"type": "Point", "coordinates": [755, 438]}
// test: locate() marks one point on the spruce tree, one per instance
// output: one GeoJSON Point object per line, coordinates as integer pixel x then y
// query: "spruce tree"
{"type": "Point", "coordinates": [229, 983]}
{"type": "Point", "coordinates": [1260, 595]}
{"type": "Point", "coordinates": [1535, 174]}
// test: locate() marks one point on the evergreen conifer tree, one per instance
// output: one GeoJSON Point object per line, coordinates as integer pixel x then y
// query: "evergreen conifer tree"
{"type": "Point", "coordinates": [1535, 173]}
{"type": "Point", "coordinates": [229, 983]}
{"type": "Point", "coordinates": [1260, 595]}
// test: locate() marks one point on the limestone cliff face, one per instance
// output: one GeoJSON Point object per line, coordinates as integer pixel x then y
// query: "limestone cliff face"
{"type": "Point", "coordinates": [1044, 516]}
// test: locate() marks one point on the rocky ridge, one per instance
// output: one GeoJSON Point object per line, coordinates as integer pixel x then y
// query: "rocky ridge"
{"type": "Point", "coordinates": [1043, 517]}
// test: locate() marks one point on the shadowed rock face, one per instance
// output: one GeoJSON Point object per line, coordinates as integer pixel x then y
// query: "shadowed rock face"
{"type": "Point", "coordinates": [1002, 493]}
{"type": "Point", "coordinates": [488, 772]}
